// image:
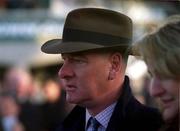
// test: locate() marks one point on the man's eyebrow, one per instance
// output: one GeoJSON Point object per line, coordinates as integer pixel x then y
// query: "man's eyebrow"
{"type": "Point", "coordinates": [150, 72]}
{"type": "Point", "coordinates": [72, 55]}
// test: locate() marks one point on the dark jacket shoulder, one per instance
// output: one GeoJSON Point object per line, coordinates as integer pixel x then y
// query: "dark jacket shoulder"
{"type": "Point", "coordinates": [137, 116]}
{"type": "Point", "coordinates": [129, 114]}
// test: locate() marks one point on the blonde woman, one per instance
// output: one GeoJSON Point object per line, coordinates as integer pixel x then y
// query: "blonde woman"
{"type": "Point", "coordinates": [161, 52]}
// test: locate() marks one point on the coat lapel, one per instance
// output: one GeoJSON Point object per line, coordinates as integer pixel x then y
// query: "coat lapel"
{"type": "Point", "coordinates": [119, 115]}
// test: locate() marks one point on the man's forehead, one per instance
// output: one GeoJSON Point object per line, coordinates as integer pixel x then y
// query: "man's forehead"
{"type": "Point", "coordinates": [88, 52]}
{"type": "Point", "coordinates": [74, 54]}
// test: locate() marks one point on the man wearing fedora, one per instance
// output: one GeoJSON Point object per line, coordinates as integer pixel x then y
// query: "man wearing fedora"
{"type": "Point", "coordinates": [94, 48]}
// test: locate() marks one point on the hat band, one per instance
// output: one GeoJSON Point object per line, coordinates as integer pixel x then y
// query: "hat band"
{"type": "Point", "coordinates": [74, 35]}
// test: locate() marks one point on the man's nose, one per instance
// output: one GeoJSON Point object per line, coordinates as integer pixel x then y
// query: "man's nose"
{"type": "Point", "coordinates": [65, 71]}
{"type": "Point", "coordinates": [156, 87]}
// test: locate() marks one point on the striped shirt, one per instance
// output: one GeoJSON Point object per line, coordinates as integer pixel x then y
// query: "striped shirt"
{"type": "Point", "coordinates": [103, 118]}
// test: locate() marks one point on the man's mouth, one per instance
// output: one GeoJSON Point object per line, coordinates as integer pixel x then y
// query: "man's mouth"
{"type": "Point", "coordinates": [167, 102]}
{"type": "Point", "coordinates": [70, 88]}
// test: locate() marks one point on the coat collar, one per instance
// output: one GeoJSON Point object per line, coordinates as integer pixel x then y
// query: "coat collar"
{"type": "Point", "coordinates": [120, 111]}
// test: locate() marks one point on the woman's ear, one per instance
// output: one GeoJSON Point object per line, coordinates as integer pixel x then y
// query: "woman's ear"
{"type": "Point", "coordinates": [116, 65]}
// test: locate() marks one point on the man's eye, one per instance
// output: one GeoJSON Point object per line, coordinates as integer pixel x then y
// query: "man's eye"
{"type": "Point", "coordinates": [150, 74]}
{"type": "Point", "coordinates": [79, 60]}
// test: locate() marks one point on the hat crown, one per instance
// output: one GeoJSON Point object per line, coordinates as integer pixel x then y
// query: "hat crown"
{"type": "Point", "coordinates": [100, 21]}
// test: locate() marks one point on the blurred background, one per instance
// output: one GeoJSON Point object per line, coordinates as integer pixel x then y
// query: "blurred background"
{"type": "Point", "coordinates": [29, 85]}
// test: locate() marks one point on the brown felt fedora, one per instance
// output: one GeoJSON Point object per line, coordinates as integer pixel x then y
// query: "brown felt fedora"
{"type": "Point", "coordinates": [92, 28]}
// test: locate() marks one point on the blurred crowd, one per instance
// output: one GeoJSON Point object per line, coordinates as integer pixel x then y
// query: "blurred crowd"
{"type": "Point", "coordinates": [30, 105]}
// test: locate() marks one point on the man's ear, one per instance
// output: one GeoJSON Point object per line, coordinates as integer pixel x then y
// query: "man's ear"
{"type": "Point", "coordinates": [116, 65]}
{"type": "Point", "coordinates": [112, 75]}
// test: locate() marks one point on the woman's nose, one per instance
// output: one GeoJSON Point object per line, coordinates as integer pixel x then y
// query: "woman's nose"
{"type": "Point", "coordinates": [156, 87]}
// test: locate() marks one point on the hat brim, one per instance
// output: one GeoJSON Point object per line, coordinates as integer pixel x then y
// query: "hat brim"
{"type": "Point", "coordinates": [57, 46]}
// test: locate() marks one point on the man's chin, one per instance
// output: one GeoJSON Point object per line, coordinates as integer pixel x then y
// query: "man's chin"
{"type": "Point", "coordinates": [169, 115]}
{"type": "Point", "coordinates": [71, 100]}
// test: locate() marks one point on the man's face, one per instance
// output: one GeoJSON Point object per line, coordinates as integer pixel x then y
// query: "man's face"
{"type": "Point", "coordinates": [84, 76]}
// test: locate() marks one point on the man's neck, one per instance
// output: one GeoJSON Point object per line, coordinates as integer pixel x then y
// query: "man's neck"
{"type": "Point", "coordinates": [104, 102]}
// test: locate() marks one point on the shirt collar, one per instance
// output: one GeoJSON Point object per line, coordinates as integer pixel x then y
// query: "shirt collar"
{"type": "Point", "coordinates": [104, 116]}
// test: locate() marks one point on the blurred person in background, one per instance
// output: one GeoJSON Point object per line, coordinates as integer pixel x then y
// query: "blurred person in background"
{"type": "Point", "coordinates": [55, 108]}
{"type": "Point", "coordinates": [95, 51]}
{"type": "Point", "coordinates": [9, 113]}
{"type": "Point", "coordinates": [19, 83]}
{"type": "Point", "coordinates": [161, 52]}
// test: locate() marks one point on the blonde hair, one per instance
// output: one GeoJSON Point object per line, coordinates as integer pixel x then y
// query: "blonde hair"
{"type": "Point", "coordinates": [161, 48]}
